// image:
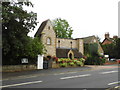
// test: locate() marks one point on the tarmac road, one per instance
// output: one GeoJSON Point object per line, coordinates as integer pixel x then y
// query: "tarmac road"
{"type": "Point", "coordinates": [81, 77]}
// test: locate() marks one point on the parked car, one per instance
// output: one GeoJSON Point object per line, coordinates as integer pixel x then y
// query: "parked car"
{"type": "Point", "coordinates": [118, 61]}
{"type": "Point", "coordinates": [112, 59]}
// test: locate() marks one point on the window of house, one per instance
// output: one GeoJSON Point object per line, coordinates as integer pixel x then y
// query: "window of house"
{"type": "Point", "coordinates": [49, 27]}
{"type": "Point", "coordinates": [48, 41]}
{"type": "Point", "coordinates": [59, 43]}
{"type": "Point", "coordinates": [94, 41]}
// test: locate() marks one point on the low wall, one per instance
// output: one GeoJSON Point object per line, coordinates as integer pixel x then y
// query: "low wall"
{"type": "Point", "coordinates": [14, 68]}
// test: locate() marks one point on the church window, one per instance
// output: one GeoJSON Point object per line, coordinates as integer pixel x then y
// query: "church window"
{"type": "Point", "coordinates": [48, 41]}
{"type": "Point", "coordinates": [49, 27]}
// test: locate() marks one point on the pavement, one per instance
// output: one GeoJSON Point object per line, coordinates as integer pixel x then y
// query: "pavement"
{"type": "Point", "coordinates": [43, 72]}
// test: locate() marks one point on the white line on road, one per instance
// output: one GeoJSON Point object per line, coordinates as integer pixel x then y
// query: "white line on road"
{"type": "Point", "coordinates": [108, 72]}
{"type": "Point", "coordinates": [20, 84]}
{"type": "Point", "coordinates": [75, 76]}
{"type": "Point", "coordinates": [114, 83]}
{"type": "Point", "coordinates": [117, 87]}
{"type": "Point", "coordinates": [64, 73]}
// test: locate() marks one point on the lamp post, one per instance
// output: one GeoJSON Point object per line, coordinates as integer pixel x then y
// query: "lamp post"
{"type": "Point", "coordinates": [71, 44]}
{"type": "Point", "coordinates": [58, 43]}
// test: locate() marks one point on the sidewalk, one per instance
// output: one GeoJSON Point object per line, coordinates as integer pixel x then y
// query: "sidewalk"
{"type": "Point", "coordinates": [9, 75]}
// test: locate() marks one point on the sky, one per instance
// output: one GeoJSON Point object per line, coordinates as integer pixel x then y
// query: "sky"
{"type": "Point", "coordinates": [86, 17]}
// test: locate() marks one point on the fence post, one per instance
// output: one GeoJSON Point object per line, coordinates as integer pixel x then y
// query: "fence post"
{"type": "Point", "coordinates": [40, 62]}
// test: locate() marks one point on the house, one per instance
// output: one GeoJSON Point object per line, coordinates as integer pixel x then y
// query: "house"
{"type": "Point", "coordinates": [59, 47]}
{"type": "Point", "coordinates": [108, 40]}
{"type": "Point", "coordinates": [92, 40]}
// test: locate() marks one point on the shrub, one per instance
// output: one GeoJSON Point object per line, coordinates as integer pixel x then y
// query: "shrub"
{"type": "Point", "coordinates": [55, 59]}
{"type": "Point", "coordinates": [71, 63]}
{"type": "Point", "coordinates": [79, 63]}
{"type": "Point", "coordinates": [95, 60]}
{"type": "Point", "coordinates": [82, 59]}
{"type": "Point", "coordinates": [63, 64]}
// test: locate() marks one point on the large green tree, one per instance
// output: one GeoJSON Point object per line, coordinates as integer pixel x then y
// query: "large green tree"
{"type": "Point", "coordinates": [16, 24]}
{"type": "Point", "coordinates": [117, 49]}
{"type": "Point", "coordinates": [62, 28]}
{"type": "Point", "coordinates": [113, 49]}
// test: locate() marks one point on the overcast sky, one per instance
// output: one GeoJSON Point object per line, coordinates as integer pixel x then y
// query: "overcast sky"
{"type": "Point", "coordinates": [86, 17]}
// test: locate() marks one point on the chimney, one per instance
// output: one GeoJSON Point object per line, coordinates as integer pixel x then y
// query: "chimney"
{"type": "Point", "coordinates": [115, 37]}
{"type": "Point", "coordinates": [107, 35]}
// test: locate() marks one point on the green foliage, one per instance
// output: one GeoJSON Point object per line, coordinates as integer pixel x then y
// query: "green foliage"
{"type": "Point", "coordinates": [95, 60]}
{"type": "Point", "coordinates": [117, 48]}
{"type": "Point", "coordinates": [112, 49]}
{"type": "Point", "coordinates": [16, 24]}
{"type": "Point", "coordinates": [64, 62]}
{"type": "Point", "coordinates": [82, 59]}
{"type": "Point", "coordinates": [34, 47]}
{"type": "Point", "coordinates": [91, 49]}
{"type": "Point", "coordinates": [71, 63]}
{"type": "Point", "coordinates": [62, 28]}
{"type": "Point", "coordinates": [79, 63]}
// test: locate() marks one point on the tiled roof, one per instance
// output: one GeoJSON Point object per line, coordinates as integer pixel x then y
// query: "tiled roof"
{"type": "Point", "coordinates": [108, 39]}
{"type": "Point", "coordinates": [88, 39]}
{"type": "Point", "coordinates": [63, 53]}
{"type": "Point", "coordinates": [40, 29]}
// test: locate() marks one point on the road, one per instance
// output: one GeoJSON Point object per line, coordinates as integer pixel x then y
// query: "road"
{"type": "Point", "coordinates": [98, 77]}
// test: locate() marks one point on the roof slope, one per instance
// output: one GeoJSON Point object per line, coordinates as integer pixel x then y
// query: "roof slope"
{"type": "Point", "coordinates": [88, 39]}
{"type": "Point", "coordinates": [40, 29]}
{"type": "Point", "coordinates": [63, 53]}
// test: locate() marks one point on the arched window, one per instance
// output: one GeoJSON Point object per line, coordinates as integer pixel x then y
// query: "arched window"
{"type": "Point", "coordinates": [48, 27]}
{"type": "Point", "coordinates": [48, 41]}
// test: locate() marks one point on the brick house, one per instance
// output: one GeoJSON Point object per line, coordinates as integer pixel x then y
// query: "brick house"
{"type": "Point", "coordinates": [108, 40]}
{"type": "Point", "coordinates": [59, 47]}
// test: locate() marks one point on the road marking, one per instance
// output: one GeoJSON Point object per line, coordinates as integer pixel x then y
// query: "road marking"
{"type": "Point", "coordinates": [75, 76]}
{"type": "Point", "coordinates": [108, 72]}
{"type": "Point", "coordinates": [64, 73]}
{"type": "Point", "coordinates": [114, 83]}
{"type": "Point", "coordinates": [20, 84]}
{"type": "Point", "coordinates": [117, 87]}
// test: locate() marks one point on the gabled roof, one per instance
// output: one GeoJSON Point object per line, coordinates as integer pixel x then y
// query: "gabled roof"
{"type": "Point", "coordinates": [63, 53]}
{"type": "Point", "coordinates": [108, 39]}
{"type": "Point", "coordinates": [88, 39]}
{"type": "Point", "coordinates": [40, 29]}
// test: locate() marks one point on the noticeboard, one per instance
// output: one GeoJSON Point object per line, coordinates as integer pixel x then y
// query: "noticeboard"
{"type": "Point", "coordinates": [24, 60]}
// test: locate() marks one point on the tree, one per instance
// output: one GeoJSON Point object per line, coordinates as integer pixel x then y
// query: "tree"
{"type": "Point", "coordinates": [62, 28]}
{"type": "Point", "coordinates": [98, 38]}
{"type": "Point", "coordinates": [112, 49]}
{"type": "Point", "coordinates": [117, 49]}
{"type": "Point", "coordinates": [16, 23]}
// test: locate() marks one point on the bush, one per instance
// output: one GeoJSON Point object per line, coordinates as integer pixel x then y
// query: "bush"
{"type": "Point", "coordinates": [79, 63]}
{"type": "Point", "coordinates": [95, 60]}
{"type": "Point", "coordinates": [71, 63]}
{"type": "Point", "coordinates": [63, 64]}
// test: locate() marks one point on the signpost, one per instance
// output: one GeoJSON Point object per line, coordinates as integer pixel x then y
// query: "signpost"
{"type": "Point", "coordinates": [24, 60]}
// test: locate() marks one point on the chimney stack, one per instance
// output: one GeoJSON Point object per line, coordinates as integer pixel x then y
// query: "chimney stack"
{"type": "Point", "coordinates": [115, 37]}
{"type": "Point", "coordinates": [107, 35]}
